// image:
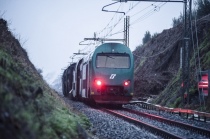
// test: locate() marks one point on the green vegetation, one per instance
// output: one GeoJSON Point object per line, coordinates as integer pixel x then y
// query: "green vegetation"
{"type": "Point", "coordinates": [29, 108]}
{"type": "Point", "coordinates": [147, 37]}
{"type": "Point", "coordinates": [205, 52]}
{"type": "Point", "coordinates": [202, 9]}
{"type": "Point", "coordinates": [176, 103]}
{"type": "Point", "coordinates": [177, 21]}
{"type": "Point", "coordinates": [172, 100]}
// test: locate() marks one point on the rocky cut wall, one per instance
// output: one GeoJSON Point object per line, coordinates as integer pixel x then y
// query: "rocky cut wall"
{"type": "Point", "coordinates": [157, 63]}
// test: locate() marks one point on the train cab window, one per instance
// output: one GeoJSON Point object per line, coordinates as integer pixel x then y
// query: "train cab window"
{"type": "Point", "coordinates": [119, 61]}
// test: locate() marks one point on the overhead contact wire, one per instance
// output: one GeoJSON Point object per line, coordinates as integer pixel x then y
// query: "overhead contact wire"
{"type": "Point", "coordinates": [120, 20]}
{"type": "Point", "coordinates": [143, 17]}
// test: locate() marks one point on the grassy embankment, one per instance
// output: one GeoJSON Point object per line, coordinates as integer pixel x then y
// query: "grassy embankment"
{"type": "Point", "coordinates": [29, 108]}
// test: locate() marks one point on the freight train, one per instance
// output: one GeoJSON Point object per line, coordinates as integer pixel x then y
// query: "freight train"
{"type": "Point", "coordinates": [105, 76]}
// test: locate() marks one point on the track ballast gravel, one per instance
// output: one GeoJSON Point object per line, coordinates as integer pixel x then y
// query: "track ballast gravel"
{"type": "Point", "coordinates": [106, 126]}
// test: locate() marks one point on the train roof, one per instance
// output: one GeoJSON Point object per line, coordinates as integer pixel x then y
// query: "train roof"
{"type": "Point", "coordinates": [107, 48]}
{"type": "Point", "coordinates": [112, 47]}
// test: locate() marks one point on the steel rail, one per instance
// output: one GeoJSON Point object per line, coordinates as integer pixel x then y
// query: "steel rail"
{"type": "Point", "coordinates": [153, 129]}
{"type": "Point", "coordinates": [198, 130]}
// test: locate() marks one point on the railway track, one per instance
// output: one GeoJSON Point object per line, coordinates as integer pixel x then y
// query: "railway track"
{"type": "Point", "coordinates": [198, 130]}
{"type": "Point", "coordinates": [155, 129]}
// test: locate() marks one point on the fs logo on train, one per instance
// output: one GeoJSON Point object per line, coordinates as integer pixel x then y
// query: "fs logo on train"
{"type": "Point", "coordinates": [112, 76]}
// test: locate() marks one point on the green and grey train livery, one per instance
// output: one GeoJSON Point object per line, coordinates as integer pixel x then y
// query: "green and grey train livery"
{"type": "Point", "coordinates": [105, 76]}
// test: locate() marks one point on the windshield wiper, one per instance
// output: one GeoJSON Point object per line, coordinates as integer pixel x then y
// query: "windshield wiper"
{"type": "Point", "coordinates": [110, 57]}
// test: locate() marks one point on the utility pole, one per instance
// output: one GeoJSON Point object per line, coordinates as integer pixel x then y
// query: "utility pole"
{"type": "Point", "coordinates": [186, 51]}
{"type": "Point", "coordinates": [126, 30]}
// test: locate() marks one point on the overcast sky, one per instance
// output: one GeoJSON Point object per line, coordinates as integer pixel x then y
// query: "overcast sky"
{"type": "Point", "coordinates": [50, 30]}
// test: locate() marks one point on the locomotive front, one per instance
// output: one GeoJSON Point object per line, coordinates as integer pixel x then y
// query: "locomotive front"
{"type": "Point", "coordinates": [112, 74]}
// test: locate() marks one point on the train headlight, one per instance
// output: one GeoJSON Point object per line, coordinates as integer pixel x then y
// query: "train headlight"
{"type": "Point", "coordinates": [98, 82]}
{"type": "Point", "coordinates": [126, 83]}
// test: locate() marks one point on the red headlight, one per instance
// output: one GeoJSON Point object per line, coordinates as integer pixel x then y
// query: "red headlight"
{"type": "Point", "coordinates": [126, 83]}
{"type": "Point", "coordinates": [98, 82]}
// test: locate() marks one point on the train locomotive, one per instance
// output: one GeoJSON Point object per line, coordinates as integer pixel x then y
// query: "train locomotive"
{"type": "Point", "coordinates": [105, 76]}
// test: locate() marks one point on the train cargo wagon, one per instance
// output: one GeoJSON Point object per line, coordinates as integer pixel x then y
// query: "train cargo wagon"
{"type": "Point", "coordinates": [67, 79]}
